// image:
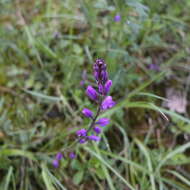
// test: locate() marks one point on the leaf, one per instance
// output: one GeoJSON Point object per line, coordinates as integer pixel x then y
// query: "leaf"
{"type": "Point", "coordinates": [149, 162]}
{"type": "Point", "coordinates": [42, 96]}
{"type": "Point", "coordinates": [16, 152]}
{"type": "Point", "coordinates": [47, 179]}
{"type": "Point", "coordinates": [110, 167]}
{"type": "Point", "coordinates": [172, 154]}
{"type": "Point", "coordinates": [78, 177]}
{"type": "Point", "coordinates": [8, 178]}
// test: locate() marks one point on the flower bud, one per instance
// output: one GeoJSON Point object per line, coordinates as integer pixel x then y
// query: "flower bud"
{"type": "Point", "coordinates": [94, 138]}
{"type": "Point", "coordinates": [97, 130]}
{"type": "Point", "coordinates": [87, 112]}
{"type": "Point", "coordinates": [107, 103]}
{"type": "Point", "coordinates": [59, 156]}
{"type": "Point", "coordinates": [81, 133]}
{"type": "Point", "coordinates": [107, 86]}
{"type": "Point", "coordinates": [91, 93]}
{"type": "Point", "coordinates": [55, 163]}
{"type": "Point", "coordinates": [103, 122]}
{"type": "Point", "coordinates": [72, 155]}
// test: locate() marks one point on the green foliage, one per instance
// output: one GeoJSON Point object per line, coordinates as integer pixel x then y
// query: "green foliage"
{"type": "Point", "coordinates": [45, 46]}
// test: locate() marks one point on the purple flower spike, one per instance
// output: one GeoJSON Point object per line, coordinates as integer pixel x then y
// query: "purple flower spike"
{"type": "Point", "coordinates": [97, 130]}
{"type": "Point", "coordinates": [117, 18]}
{"type": "Point", "coordinates": [81, 133]}
{"type": "Point", "coordinates": [94, 138]}
{"type": "Point", "coordinates": [108, 86]}
{"type": "Point", "coordinates": [103, 122]}
{"type": "Point", "coordinates": [82, 141]}
{"type": "Point", "coordinates": [87, 112]}
{"type": "Point", "coordinates": [107, 103]}
{"type": "Point", "coordinates": [55, 163]}
{"type": "Point", "coordinates": [72, 155]}
{"type": "Point", "coordinates": [59, 156]}
{"type": "Point", "coordinates": [91, 93]}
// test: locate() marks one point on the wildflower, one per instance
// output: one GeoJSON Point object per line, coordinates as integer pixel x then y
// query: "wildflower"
{"type": "Point", "coordinates": [97, 130]}
{"type": "Point", "coordinates": [55, 163]}
{"type": "Point", "coordinates": [103, 122]}
{"type": "Point", "coordinates": [91, 93]}
{"type": "Point", "coordinates": [108, 86]}
{"type": "Point", "coordinates": [82, 141]}
{"type": "Point", "coordinates": [72, 155]}
{"type": "Point", "coordinates": [101, 89]}
{"type": "Point", "coordinates": [87, 112]}
{"type": "Point", "coordinates": [117, 18]}
{"type": "Point", "coordinates": [59, 156]}
{"type": "Point", "coordinates": [154, 67]}
{"type": "Point", "coordinates": [107, 103]}
{"type": "Point", "coordinates": [100, 72]}
{"type": "Point", "coordinates": [81, 133]}
{"type": "Point", "coordinates": [94, 138]}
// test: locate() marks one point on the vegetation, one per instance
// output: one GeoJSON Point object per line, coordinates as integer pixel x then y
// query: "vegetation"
{"type": "Point", "coordinates": [47, 49]}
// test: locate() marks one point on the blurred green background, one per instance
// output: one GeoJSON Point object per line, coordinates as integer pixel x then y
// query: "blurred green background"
{"type": "Point", "coordinates": [47, 49]}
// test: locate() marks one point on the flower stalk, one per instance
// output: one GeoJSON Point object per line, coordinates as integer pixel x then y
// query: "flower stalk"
{"type": "Point", "coordinates": [103, 101]}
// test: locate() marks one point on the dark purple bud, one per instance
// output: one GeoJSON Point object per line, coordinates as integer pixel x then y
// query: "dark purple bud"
{"type": "Point", "coordinates": [96, 75]}
{"type": "Point", "coordinates": [107, 86]}
{"type": "Point", "coordinates": [94, 138]}
{"type": "Point", "coordinates": [55, 163]}
{"type": "Point", "coordinates": [104, 76]}
{"type": "Point", "coordinates": [154, 67]}
{"type": "Point", "coordinates": [81, 133]}
{"type": "Point", "coordinates": [117, 18]}
{"type": "Point", "coordinates": [72, 155]}
{"type": "Point", "coordinates": [59, 156]}
{"type": "Point", "coordinates": [91, 93]}
{"type": "Point", "coordinates": [99, 61]}
{"type": "Point", "coordinates": [97, 130]}
{"type": "Point", "coordinates": [107, 103]}
{"type": "Point", "coordinates": [82, 141]}
{"type": "Point", "coordinates": [103, 122]}
{"type": "Point", "coordinates": [101, 89]}
{"type": "Point", "coordinates": [87, 112]}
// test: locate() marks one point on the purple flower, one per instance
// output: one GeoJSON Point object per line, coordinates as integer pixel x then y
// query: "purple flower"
{"type": "Point", "coordinates": [154, 67]}
{"type": "Point", "coordinates": [87, 112]}
{"type": "Point", "coordinates": [82, 82]}
{"type": "Point", "coordinates": [97, 130]}
{"type": "Point", "coordinates": [107, 103]}
{"type": "Point", "coordinates": [117, 18]}
{"type": "Point", "coordinates": [91, 93]}
{"type": "Point", "coordinates": [55, 163]}
{"type": "Point", "coordinates": [59, 156]}
{"type": "Point", "coordinates": [94, 138]}
{"type": "Point", "coordinates": [104, 76]}
{"type": "Point", "coordinates": [81, 133]}
{"type": "Point", "coordinates": [100, 72]}
{"type": "Point", "coordinates": [100, 88]}
{"type": "Point", "coordinates": [103, 122]}
{"type": "Point", "coordinates": [72, 155]}
{"type": "Point", "coordinates": [107, 86]}
{"type": "Point", "coordinates": [82, 141]}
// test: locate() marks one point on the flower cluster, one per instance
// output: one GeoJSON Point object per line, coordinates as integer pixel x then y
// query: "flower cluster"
{"type": "Point", "coordinates": [99, 96]}
{"type": "Point", "coordinates": [57, 159]}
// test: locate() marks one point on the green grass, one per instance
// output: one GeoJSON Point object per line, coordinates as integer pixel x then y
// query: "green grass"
{"type": "Point", "coordinates": [45, 46]}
